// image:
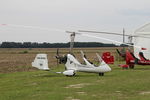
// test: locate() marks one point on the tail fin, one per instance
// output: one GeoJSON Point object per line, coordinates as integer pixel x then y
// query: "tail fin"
{"type": "Point", "coordinates": [82, 54]}
{"type": "Point", "coordinates": [130, 58]}
{"type": "Point", "coordinates": [121, 54]}
{"type": "Point", "coordinates": [102, 62]}
{"type": "Point", "coordinates": [41, 62]}
{"type": "Point", "coordinates": [85, 58]}
{"type": "Point", "coordinates": [141, 55]}
{"type": "Point", "coordinates": [99, 57]}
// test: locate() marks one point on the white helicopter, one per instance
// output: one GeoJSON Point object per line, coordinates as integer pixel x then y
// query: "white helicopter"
{"type": "Point", "coordinates": [72, 65]}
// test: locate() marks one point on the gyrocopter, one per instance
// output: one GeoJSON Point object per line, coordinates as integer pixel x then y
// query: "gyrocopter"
{"type": "Point", "coordinates": [140, 43]}
{"type": "Point", "coordinates": [72, 65]}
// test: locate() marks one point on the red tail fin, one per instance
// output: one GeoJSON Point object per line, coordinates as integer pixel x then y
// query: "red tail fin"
{"type": "Point", "coordinates": [130, 59]}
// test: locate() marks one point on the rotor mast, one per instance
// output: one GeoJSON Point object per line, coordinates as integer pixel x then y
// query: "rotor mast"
{"type": "Point", "coordinates": [123, 35]}
{"type": "Point", "coordinates": [72, 37]}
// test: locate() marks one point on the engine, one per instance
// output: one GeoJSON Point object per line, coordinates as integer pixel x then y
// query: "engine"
{"type": "Point", "coordinates": [69, 72]}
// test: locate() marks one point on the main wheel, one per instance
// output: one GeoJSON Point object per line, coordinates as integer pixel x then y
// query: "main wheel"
{"type": "Point", "coordinates": [101, 74]}
{"type": "Point", "coordinates": [74, 74]}
{"type": "Point", "coordinates": [131, 66]}
{"type": "Point", "coordinates": [71, 75]}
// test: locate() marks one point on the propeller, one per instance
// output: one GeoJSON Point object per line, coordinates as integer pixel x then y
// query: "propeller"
{"type": "Point", "coordinates": [57, 56]}
{"type": "Point", "coordinates": [60, 59]}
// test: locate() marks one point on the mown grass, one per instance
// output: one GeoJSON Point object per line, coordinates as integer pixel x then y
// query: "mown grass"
{"type": "Point", "coordinates": [40, 85]}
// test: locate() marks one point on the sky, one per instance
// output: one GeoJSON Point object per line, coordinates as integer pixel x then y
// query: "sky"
{"type": "Point", "coordinates": [47, 20]}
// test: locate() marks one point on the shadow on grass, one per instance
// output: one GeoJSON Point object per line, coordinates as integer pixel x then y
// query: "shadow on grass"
{"type": "Point", "coordinates": [61, 75]}
{"type": "Point", "coordinates": [78, 74]}
{"type": "Point", "coordinates": [52, 75]}
{"type": "Point", "coordinates": [85, 75]}
{"type": "Point", "coordinates": [136, 68]}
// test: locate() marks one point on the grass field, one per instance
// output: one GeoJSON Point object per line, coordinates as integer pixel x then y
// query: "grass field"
{"type": "Point", "coordinates": [22, 82]}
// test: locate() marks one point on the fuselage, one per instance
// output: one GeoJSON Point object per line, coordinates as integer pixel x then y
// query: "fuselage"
{"type": "Point", "coordinates": [73, 64]}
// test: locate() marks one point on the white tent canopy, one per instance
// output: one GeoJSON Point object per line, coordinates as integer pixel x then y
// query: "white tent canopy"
{"type": "Point", "coordinates": [143, 42]}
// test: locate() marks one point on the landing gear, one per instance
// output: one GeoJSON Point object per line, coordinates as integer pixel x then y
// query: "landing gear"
{"type": "Point", "coordinates": [71, 75]}
{"type": "Point", "coordinates": [74, 74]}
{"type": "Point", "coordinates": [131, 66]}
{"type": "Point", "coordinates": [101, 74]}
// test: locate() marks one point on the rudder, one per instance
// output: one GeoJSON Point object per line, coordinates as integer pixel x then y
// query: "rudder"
{"type": "Point", "coordinates": [41, 62]}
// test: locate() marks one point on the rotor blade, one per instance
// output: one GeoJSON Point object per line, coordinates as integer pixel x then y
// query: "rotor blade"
{"type": "Point", "coordinates": [92, 36]}
{"type": "Point", "coordinates": [33, 27]}
{"type": "Point", "coordinates": [143, 33]}
{"type": "Point", "coordinates": [73, 32]}
{"type": "Point", "coordinates": [102, 32]}
{"type": "Point", "coordinates": [69, 32]}
{"type": "Point", "coordinates": [141, 36]}
{"type": "Point", "coordinates": [106, 39]}
{"type": "Point", "coordinates": [3, 24]}
{"type": "Point", "coordinates": [112, 33]}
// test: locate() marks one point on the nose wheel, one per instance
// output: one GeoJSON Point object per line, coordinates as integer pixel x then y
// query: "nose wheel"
{"type": "Point", "coordinates": [101, 74]}
{"type": "Point", "coordinates": [71, 75]}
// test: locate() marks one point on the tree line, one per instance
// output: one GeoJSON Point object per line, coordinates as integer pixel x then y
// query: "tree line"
{"type": "Point", "coordinates": [52, 45]}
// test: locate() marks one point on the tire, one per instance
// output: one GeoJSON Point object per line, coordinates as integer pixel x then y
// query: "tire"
{"type": "Point", "coordinates": [71, 75]}
{"type": "Point", "coordinates": [131, 66]}
{"type": "Point", "coordinates": [101, 74]}
{"type": "Point", "coordinates": [74, 74]}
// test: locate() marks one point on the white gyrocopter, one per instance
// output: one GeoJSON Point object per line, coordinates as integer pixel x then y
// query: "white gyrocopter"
{"type": "Point", "coordinates": [72, 65]}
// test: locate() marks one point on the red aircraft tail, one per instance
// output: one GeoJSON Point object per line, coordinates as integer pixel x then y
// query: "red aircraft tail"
{"type": "Point", "coordinates": [131, 59]}
{"type": "Point", "coordinates": [121, 54]}
{"type": "Point", "coordinates": [141, 55]}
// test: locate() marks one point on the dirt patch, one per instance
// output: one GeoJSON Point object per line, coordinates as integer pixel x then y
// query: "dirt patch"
{"type": "Point", "coordinates": [77, 85]}
{"type": "Point", "coordinates": [81, 93]}
{"type": "Point", "coordinates": [94, 95]}
{"type": "Point", "coordinates": [71, 98]}
{"type": "Point", "coordinates": [20, 62]}
{"type": "Point", "coordinates": [145, 92]}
